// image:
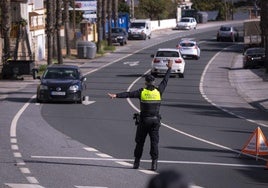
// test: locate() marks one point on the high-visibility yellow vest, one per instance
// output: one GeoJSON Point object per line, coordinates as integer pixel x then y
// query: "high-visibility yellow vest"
{"type": "Point", "coordinates": [148, 95]}
{"type": "Point", "coordinates": [150, 102]}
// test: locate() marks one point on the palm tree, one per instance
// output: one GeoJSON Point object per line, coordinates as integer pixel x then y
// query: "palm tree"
{"type": "Point", "coordinates": [109, 18]}
{"type": "Point", "coordinates": [6, 22]}
{"type": "Point", "coordinates": [103, 18]}
{"type": "Point", "coordinates": [115, 12]}
{"type": "Point", "coordinates": [58, 28]}
{"type": "Point", "coordinates": [99, 29]}
{"type": "Point", "coordinates": [49, 31]}
{"type": "Point", "coordinates": [66, 26]}
{"type": "Point", "coordinates": [264, 28]}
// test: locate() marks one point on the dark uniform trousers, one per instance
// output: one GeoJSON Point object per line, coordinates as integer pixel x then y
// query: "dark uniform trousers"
{"type": "Point", "coordinates": [147, 125]}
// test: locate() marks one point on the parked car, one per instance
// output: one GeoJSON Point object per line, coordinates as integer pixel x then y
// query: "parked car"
{"type": "Point", "coordinates": [119, 36]}
{"type": "Point", "coordinates": [189, 48]}
{"type": "Point", "coordinates": [61, 83]}
{"type": "Point", "coordinates": [228, 33]}
{"type": "Point", "coordinates": [253, 57]}
{"type": "Point", "coordinates": [186, 23]}
{"type": "Point", "coordinates": [160, 59]}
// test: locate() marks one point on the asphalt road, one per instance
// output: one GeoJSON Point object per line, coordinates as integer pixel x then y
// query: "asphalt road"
{"type": "Point", "coordinates": [96, 147]}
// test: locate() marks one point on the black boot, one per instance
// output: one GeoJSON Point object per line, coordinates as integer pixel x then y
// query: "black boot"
{"type": "Point", "coordinates": [154, 165]}
{"type": "Point", "coordinates": [136, 163]}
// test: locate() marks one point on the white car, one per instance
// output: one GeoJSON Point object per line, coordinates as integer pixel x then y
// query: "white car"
{"type": "Point", "coordinates": [189, 48]}
{"type": "Point", "coordinates": [160, 60]}
{"type": "Point", "coordinates": [187, 23]}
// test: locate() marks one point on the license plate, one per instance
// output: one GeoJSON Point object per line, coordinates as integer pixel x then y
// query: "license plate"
{"type": "Point", "coordinates": [257, 58]}
{"type": "Point", "coordinates": [58, 93]}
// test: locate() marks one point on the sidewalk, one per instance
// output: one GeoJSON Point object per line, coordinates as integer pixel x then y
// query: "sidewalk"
{"type": "Point", "coordinates": [237, 91]}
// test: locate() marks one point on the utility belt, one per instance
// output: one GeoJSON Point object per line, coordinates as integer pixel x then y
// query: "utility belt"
{"type": "Point", "coordinates": [138, 117]}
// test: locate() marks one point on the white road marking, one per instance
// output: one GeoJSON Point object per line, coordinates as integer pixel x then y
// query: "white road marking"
{"type": "Point", "coordinates": [25, 170]}
{"type": "Point", "coordinates": [12, 185]}
{"type": "Point", "coordinates": [150, 172]}
{"type": "Point", "coordinates": [123, 163]}
{"type": "Point", "coordinates": [17, 154]}
{"type": "Point", "coordinates": [13, 140]}
{"type": "Point", "coordinates": [14, 147]}
{"type": "Point", "coordinates": [32, 180]}
{"type": "Point", "coordinates": [131, 63]}
{"type": "Point", "coordinates": [86, 101]}
{"type": "Point", "coordinates": [103, 155]}
{"type": "Point", "coordinates": [90, 149]}
{"type": "Point", "coordinates": [20, 162]}
{"type": "Point", "coordinates": [13, 127]}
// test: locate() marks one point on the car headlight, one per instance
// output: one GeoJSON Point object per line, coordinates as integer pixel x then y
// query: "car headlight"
{"type": "Point", "coordinates": [43, 87]}
{"type": "Point", "coordinates": [74, 88]}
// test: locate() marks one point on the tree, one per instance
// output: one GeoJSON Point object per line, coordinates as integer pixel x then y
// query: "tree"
{"type": "Point", "coordinates": [109, 19]}
{"type": "Point", "coordinates": [103, 18]}
{"type": "Point", "coordinates": [66, 26]}
{"type": "Point", "coordinates": [264, 29]}
{"type": "Point", "coordinates": [58, 25]}
{"type": "Point", "coordinates": [6, 22]}
{"type": "Point", "coordinates": [152, 8]}
{"type": "Point", "coordinates": [123, 6]}
{"type": "Point", "coordinates": [99, 28]}
{"type": "Point", "coordinates": [115, 12]}
{"type": "Point", "coordinates": [49, 31]}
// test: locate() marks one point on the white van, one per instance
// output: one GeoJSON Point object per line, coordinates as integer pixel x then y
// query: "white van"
{"type": "Point", "coordinates": [140, 29]}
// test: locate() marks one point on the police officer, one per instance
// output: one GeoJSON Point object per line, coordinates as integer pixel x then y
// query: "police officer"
{"type": "Point", "coordinates": [150, 99]}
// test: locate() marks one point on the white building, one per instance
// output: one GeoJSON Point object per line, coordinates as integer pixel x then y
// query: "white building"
{"type": "Point", "coordinates": [29, 41]}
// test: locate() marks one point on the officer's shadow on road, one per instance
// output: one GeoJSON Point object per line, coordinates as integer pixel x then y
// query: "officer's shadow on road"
{"type": "Point", "coordinates": [75, 164]}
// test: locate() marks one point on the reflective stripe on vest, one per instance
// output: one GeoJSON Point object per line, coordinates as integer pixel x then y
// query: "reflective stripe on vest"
{"type": "Point", "coordinates": [150, 96]}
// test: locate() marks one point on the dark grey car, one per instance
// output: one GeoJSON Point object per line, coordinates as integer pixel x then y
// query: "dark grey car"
{"type": "Point", "coordinates": [253, 57]}
{"type": "Point", "coordinates": [119, 36]}
{"type": "Point", "coordinates": [61, 83]}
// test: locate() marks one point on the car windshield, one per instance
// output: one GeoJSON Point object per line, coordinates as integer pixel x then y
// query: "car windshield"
{"type": "Point", "coordinates": [225, 29]}
{"type": "Point", "coordinates": [116, 30]}
{"type": "Point", "coordinates": [255, 51]}
{"type": "Point", "coordinates": [137, 25]}
{"type": "Point", "coordinates": [187, 44]}
{"type": "Point", "coordinates": [61, 73]}
{"type": "Point", "coordinates": [167, 54]}
{"type": "Point", "coordinates": [185, 20]}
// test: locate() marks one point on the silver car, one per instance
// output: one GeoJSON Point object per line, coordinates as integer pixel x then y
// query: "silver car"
{"type": "Point", "coordinates": [227, 33]}
{"type": "Point", "coordinates": [189, 48]}
{"type": "Point", "coordinates": [160, 60]}
{"type": "Point", "coordinates": [187, 23]}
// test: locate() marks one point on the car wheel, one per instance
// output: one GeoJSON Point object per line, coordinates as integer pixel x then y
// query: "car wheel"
{"type": "Point", "coordinates": [38, 100]}
{"type": "Point", "coordinates": [154, 74]}
{"type": "Point", "coordinates": [181, 75]}
{"type": "Point", "coordinates": [121, 43]}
